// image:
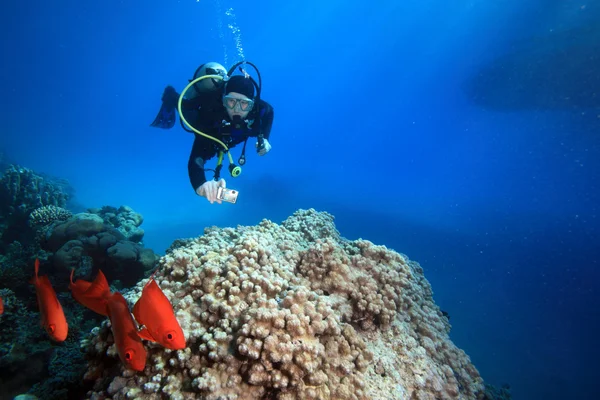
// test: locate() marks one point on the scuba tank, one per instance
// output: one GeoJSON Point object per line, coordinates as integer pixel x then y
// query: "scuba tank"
{"type": "Point", "coordinates": [206, 85]}
{"type": "Point", "coordinates": [210, 79]}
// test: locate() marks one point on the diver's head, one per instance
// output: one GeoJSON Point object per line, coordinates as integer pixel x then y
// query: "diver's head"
{"type": "Point", "coordinates": [238, 97]}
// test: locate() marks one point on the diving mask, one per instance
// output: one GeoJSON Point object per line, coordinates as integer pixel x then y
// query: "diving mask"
{"type": "Point", "coordinates": [244, 104]}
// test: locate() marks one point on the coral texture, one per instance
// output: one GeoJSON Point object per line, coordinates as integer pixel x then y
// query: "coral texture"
{"type": "Point", "coordinates": [292, 311]}
{"type": "Point", "coordinates": [28, 360]}
{"type": "Point", "coordinates": [99, 235]}
{"type": "Point", "coordinates": [48, 214]}
{"type": "Point", "coordinates": [124, 219]}
{"type": "Point", "coordinates": [22, 191]}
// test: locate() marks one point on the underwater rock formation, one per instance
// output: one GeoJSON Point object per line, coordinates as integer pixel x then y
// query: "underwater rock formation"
{"type": "Point", "coordinates": [21, 192]}
{"type": "Point", "coordinates": [110, 236]}
{"type": "Point", "coordinates": [124, 219]}
{"type": "Point", "coordinates": [24, 193]}
{"type": "Point", "coordinates": [291, 311]}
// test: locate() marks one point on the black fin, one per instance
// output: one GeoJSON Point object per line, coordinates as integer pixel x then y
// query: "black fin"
{"type": "Point", "coordinates": [165, 118]}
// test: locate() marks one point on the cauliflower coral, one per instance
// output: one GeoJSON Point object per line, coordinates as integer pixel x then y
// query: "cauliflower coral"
{"type": "Point", "coordinates": [291, 311]}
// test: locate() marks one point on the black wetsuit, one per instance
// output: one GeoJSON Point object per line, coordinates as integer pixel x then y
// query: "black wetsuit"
{"type": "Point", "coordinates": [208, 115]}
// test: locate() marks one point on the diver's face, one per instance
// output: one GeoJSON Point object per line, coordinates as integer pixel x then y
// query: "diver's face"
{"type": "Point", "coordinates": [237, 104]}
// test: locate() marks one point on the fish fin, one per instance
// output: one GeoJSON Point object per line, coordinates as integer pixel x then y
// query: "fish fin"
{"type": "Point", "coordinates": [136, 310]}
{"type": "Point", "coordinates": [152, 275]}
{"type": "Point", "coordinates": [153, 288]}
{"type": "Point", "coordinates": [142, 305]}
{"type": "Point", "coordinates": [36, 269]}
{"type": "Point", "coordinates": [145, 334]}
{"type": "Point", "coordinates": [71, 277]}
{"type": "Point", "coordinates": [148, 303]}
{"type": "Point", "coordinates": [100, 306]}
{"type": "Point", "coordinates": [99, 287]}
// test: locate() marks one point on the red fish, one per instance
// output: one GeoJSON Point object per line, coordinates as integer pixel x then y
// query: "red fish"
{"type": "Point", "coordinates": [51, 312]}
{"type": "Point", "coordinates": [92, 295]}
{"type": "Point", "coordinates": [155, 312]}
{"type": "Point", "coordinates": [129, 345]}
{"type": "Point", "coordinates": [1, 306]}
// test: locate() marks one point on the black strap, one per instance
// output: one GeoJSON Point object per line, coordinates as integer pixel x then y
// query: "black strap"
{"type": "Point", "coordinates": [242, 159]}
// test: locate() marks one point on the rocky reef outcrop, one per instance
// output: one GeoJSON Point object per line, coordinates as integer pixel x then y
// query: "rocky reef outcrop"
{"type": "Point", "coordinates": [111, 237]}
{"type": "Point", "coordinates": [291, 311]}
{"type": "Point", "coordinates": [36, 222]}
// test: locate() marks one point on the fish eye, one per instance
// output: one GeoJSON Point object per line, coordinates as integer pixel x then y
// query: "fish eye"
{"type": "Point", "coordinates": [129, 354]}
{"type": "Point", "coordinates": [170, 336]}
{"type": "Point", "coordinates": [51, 328]}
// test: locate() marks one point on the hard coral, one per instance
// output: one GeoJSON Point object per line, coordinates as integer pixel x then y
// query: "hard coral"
{"type": "Point", "coordinates": [124, 219]}
{"type": "Point", "coordinates": [45, 215]}
{"type": "Point", "coordinates": [88, 234]}
{"type": "Point", "coordinates": [22, 191]}
{"type": "Point", "coordinates": [294, 311]}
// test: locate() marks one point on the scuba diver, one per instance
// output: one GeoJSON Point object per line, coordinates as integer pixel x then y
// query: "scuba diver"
{"type": "Point", "coordinates": [223, 110]}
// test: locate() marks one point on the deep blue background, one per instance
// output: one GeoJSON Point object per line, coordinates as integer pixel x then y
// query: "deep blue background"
{"type": "Point", "coordinates": [372, 125]}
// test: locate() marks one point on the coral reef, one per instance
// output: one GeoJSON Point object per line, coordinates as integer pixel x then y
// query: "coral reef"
{"type": "Point", "coordinates": [13, 267]}
{"type": "Point", "coordinates": [99, 234]}
{"type": "Point", "coordinates": [291, 311]}
{"type": "Point", "coordinates": [29, 361]}
{"type": "Point", "coordinates": [48, 214]}
{"type": "Point", "coordinates": [124, 219]}
{"type": "Point", "coordinates": [34, 220]}
{"type": "Point", "coordinates": [21, 192]}
{"type": "Point", "coordinates": [497, 393]}
{"type": "Point", "coordinates": [33, 213]}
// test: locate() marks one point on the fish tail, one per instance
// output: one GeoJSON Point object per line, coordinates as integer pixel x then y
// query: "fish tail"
{"type": "Point", "coordinates": [99, 287]}
{"type": "Point", "coordinates": [151, 277]}
{"type": "Point", "coordinates": [36, 269]}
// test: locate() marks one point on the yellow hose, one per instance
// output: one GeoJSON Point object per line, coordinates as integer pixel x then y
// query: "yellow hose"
{"type": "Point", "coordinates": [189, 125]}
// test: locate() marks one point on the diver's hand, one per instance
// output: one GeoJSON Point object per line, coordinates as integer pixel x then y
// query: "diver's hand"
{"type": "Point", "coordinates": [264, 149]}
{"type": "Point", "coordinates": [209, 190]}
{"type": "Point", "coordinates": [170, 97]}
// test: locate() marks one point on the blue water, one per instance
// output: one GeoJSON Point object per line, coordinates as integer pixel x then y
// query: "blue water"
{"type": "Point", "coordinates": [372, 124]}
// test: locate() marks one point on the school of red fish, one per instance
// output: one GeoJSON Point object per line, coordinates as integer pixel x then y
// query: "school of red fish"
{"type": "Point", "coordinates": [153, 312]}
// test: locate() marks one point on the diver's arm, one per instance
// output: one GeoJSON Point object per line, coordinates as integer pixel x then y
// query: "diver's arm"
{"type": "Point", "coordinates": [209, 189]}
{"type": "Point", "coordinates": [201, 152]}
{"type": "Point", "coordinates": [266, 120]}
